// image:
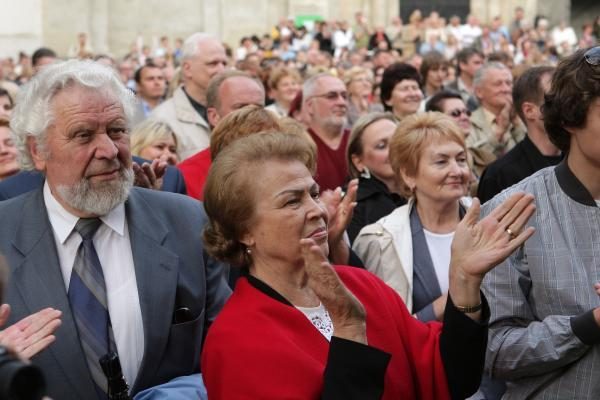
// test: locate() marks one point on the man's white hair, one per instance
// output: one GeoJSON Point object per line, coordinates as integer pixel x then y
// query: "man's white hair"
{"type": "Point", "coordinates": [481, 73]}
{"type": "Point", "coordinates": [309, 87]}
{"type": "Point", "coordinates": [191, 46]}
{"type": "Point", "coordinates": [33, 112]}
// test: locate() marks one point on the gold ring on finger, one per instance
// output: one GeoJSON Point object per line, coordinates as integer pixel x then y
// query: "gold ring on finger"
{"type": "Point", "coordinates": [510, 233]}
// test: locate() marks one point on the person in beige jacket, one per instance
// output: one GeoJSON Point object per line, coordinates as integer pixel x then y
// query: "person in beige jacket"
{"type": "Point", "coordinates": [203, 57]}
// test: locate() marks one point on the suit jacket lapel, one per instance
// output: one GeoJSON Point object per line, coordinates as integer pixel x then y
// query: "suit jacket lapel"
{"type": "Point", "coordinates": [40, 282]}
{"type": "Point", "coordinates": [156, 269]}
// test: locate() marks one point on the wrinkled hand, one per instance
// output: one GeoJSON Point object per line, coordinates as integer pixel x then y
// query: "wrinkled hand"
{"type": "Point", "coordinates": [150, 176]}
{"type": "Point", "coordinates": [32, 334]}
{"type": "Point", "coordinates": [346, 312]}
{"type": "Point", "coordinates": [479, 246]}
{"type": "Point", "coordinates": [340, 211]}
{"type": "Point", "coordinates": [503, 120]}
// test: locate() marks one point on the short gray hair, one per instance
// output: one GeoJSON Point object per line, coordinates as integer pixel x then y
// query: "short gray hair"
{"type": "Point", "coordinates": [191, 45]}
{"type": "Point", "coordinates": [482, 72]}
{"type": "Point", "coordinates": [33, 112]}
{"type": "Point", "coordinates": [310, 85]}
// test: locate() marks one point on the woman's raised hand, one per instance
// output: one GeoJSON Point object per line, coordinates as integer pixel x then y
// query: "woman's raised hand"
{"type": "Point", "coordinates": [346, 312]}
{"type": "Point", "coordinates": [479, 246]}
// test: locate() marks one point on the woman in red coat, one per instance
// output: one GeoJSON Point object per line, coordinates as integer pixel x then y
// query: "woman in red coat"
{"type": "Point", "coordinates": [298, 328]}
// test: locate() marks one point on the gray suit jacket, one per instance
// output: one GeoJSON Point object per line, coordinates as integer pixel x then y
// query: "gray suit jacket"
{"type": "Point", "coordinates": [172, 272]}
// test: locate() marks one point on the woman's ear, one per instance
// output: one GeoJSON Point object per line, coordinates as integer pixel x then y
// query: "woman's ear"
{"type": "Point", "coordinates": [357, 161]}
{"type": "Point", "coordinates": [247, 239]}
{"type": "Point", "coordinates": [409, 180]}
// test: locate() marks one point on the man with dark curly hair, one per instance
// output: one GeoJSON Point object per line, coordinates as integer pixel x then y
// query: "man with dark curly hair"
{"type": "Point", "coordinates": [545, 322]}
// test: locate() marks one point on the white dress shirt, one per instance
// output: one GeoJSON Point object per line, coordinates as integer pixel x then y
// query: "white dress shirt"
{"type": "Point", "coordinates": [114, 251]}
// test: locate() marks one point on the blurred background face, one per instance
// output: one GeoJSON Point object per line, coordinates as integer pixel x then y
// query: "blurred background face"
{"type": "Point", "coordinates": [472, 65]}
{"type": "Point", "coordinates": [328, 105]}
{"type": "Point", "coordinates": [456, 109]}
{"type": "Point", "coordinates": [360, 86]}
{"type": "Point", "coordinates": [286, 90]}
{"type": "Point", "coordinates": [5, 107]}
{"type": "Point", "coordinates": [436, 76]}
{"type": "Point", "coordinates": [375, 150]}
{"type": "Point", "coordinates": [406, 98]}
{"type": "Point", "coordinates": [8, 154]}
{"type": "Point", "coordinates": [164, 149]}
{"type": "Point", "coordinates": [152, 83]}
{"type": "Point", "coordinates": [208, 62]}
{"type": "Point", "coordinates": [495, 89]}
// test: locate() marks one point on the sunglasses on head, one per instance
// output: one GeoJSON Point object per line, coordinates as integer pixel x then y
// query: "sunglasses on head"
{"type": "Point", "coordinates": [457, 111]}
{"type": "Point", "coordinates": [592, 56]}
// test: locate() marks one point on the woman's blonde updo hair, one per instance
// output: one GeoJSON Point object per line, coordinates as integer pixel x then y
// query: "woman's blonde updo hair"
{"type": "Point", "coordinates": [230, 191]}
{"type": "Point", "coordinates": [413, 134]}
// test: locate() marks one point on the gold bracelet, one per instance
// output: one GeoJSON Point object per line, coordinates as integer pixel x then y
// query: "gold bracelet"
{"type": "Point", "coordinates": [468, 309]}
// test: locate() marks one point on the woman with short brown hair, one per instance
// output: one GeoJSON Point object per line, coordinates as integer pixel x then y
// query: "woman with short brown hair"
{"type": "Point", "coordinates": [296, 327]}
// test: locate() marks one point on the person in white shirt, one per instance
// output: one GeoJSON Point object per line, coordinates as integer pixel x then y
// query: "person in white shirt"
{"type": "Point", "coordinates": [470, 31]}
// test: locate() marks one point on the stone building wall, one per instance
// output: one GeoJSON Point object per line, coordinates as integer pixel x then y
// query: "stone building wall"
{"type": "Point", "coordinates": [113, 25]}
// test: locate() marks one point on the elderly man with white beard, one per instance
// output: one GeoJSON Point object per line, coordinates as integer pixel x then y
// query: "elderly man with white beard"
{"type": "Point", "coordinates": [124, 265]}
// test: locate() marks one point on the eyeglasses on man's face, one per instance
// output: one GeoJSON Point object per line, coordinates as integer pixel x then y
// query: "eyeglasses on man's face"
{"type": "Point", "coordinates": [333, 95]}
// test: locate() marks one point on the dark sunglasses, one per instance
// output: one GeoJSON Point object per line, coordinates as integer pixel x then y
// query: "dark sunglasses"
{"type": "Point", "coordinates": [457, 111]}
{"type": "Point", "coordinates": [592, 56]}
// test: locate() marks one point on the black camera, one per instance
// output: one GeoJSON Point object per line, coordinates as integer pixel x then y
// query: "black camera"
{"type": "Point", "coordinates": [18, 380]}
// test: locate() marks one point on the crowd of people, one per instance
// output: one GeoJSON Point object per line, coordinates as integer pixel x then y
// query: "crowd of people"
{"type": "Point", "coordinates": [300, 217]}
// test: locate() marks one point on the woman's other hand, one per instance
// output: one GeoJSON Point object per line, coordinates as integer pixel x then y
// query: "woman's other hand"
{"type": "Point", "coordinates": [340, 211]}
{"type": "Point", "coordinates": [479, 246]}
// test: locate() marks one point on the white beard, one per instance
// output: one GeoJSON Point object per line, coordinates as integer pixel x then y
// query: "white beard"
{"type": "Point", "coordinates": [98, 200]}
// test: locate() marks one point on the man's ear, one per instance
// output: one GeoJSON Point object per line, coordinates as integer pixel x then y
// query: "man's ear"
{"type": "Point", "coordinates": [185, 69]}
{"type": "Point", "coordinates": [213, 116]}
{"type": "Point", "coordinates": [530, 111]}
{"type": "Point", "coordinates": [37, 156]}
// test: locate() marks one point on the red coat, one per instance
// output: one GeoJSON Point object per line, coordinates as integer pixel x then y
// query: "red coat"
{"type": "Point", "coordinates": [261, 348]}
{"type": "Point", "coordinates": [195, 171]}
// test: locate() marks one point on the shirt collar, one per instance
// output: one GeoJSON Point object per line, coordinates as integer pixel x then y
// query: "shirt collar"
{"type": "Point", "coordinates": [63, 222]}
{"type": "Point", "coordinates": [572, 186]}
{"type": "Point", "coordinates": [489, 116]}
{"type": "Point", "coordinates": [461, 85]}
{"type": "Point", "coordinates": [200, 109]}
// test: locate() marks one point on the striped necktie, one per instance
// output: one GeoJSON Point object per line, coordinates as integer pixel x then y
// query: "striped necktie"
{"type": "Point", "coordinates": [87, 295]}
